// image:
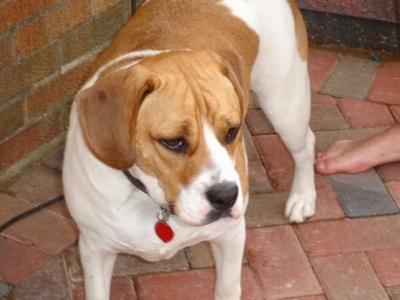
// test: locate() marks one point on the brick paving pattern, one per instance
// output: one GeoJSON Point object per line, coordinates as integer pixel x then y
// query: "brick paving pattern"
{"type": "Point", "coordinates": [349, 250]}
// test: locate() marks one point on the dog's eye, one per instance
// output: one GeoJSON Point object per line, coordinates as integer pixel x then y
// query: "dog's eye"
{"type": "Point", "coordinates": [231, 134]}
{"type": "Point", "coordinates": [178, 145]}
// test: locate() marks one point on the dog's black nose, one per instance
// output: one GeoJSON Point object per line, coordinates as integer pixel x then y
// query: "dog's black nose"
{"type": "Point", "coordinates": [223, 195]}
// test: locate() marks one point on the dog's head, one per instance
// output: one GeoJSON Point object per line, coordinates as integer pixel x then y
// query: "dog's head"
{"type": "Point", "coordinates": [177, 117]}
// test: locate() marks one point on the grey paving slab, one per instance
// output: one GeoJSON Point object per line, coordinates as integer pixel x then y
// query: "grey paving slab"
{"type": "Point", "coordinates": [5, 289]}
{"type": "Point", "coordinates": [362, 195]}
{"type": "Point", "coordinates": [258, 177]}
{"type": "Point", "coordinates": [266, 209]}
{"type": "Point", "coordinates": [327, 117]}
{"type": "Point", "coordinates": [49, 282]}
{"type": "Point", "coordinates": [326, 138]}
{"type": "Point", "coordinates": [200, 256]}
{"type": "Point", "coordinates": [352, 77]}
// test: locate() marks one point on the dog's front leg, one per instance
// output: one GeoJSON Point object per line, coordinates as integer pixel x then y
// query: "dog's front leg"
{"type": "Point", "coordinates": [97, 269]}
{"type": "Point", "coordinates": [228, 255]}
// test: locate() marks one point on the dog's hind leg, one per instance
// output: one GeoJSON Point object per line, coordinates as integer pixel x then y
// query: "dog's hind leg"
{"type": "Point", "coordinates": [287, 107]}
{"type": "Point", "coordinates": [97, 269]}
{"type": "Point", "coordinates": [280, 80]}
{"type": "Point", "coordinates": [228, 255]}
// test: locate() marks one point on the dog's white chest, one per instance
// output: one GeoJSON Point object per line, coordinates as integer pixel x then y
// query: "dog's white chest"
{"type": "Point", "coordinates": [131, 230]}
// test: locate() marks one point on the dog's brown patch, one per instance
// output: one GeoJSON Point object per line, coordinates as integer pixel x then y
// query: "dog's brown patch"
{"type": "Point", "coordinates": [301, 32]}
{"type": "Point", "coordinates": [205, 24]}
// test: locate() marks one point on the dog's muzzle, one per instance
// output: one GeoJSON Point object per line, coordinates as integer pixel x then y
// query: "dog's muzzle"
{"type": "Point", "coordinates": [222, 197]}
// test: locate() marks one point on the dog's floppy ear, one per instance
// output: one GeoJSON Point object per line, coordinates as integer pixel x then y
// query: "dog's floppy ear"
{"type": "Point", "coordinates": [107, 114]}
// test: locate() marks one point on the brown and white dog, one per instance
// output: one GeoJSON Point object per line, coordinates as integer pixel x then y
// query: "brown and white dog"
{"type": "Point", "coordinates": [167, 101]}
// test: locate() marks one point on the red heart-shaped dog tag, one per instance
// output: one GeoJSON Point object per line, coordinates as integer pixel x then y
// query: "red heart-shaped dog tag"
{"type": "Point", "coordinates": [164, 231]}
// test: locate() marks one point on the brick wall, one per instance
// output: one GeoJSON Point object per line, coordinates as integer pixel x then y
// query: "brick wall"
{"type": "Point", "coordinates": [368, 24]}
{"type": "Point", "coordinates": [46, 47]}
{"type": "Point", "coordinates": [383, 10]}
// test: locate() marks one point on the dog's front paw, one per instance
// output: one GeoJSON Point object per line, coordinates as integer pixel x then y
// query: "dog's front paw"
{"type": "Point", "coordinates": [234, 294]}
{"type": "Point", "coordinates": [300, 207]}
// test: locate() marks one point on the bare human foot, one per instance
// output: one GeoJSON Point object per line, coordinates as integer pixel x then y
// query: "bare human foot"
{"type": "Point", "coordinates": [354, 156]}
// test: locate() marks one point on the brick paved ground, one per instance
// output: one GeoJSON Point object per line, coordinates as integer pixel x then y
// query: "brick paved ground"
{"type": "Point", "coordinates": [349, 250]}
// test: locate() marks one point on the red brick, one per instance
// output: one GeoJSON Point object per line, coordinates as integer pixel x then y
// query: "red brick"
{"type": "Point", "coordinates": [350, 235]}
{"type": "Point", "coordinates": [258, 179]}
{"type": "Point", "coordinates": [14, 11]}
{"type": "Point", "coordinates": [258, 122]}
{"type": "Point", "coordinates": [43, 30]}
{"type": "Point", "coordinates": [281, 265]}
{"type": "Point", "coordinates": [11, 118]}
{"type": "Point", "coordinates": [38, 185]}
{"type": "Point", "coordinates": [7, 50]}
{"type": "Point", "coordinates": [18, 78]}
{"type": "Point", "coordinates": [18, 261]}
{"type": "Point", "coordinates": [277, 160]}
{"type": "Point", "coordinates": [318, 297]}
{"type": "Point", "coordinates": [320, 180]}
{"type": "Point", "coordinates": [44, 231]}
{"type": "Point", "coordinates": [78, 291]}
{"type": "Point", "coordinates": [327, 117]}
{"type": "Point", "coordinates": [87, 37]}
{"type": "Point", "coordinates": [253, 101]}
{"type": "Point", "coordinates": [361, 114]}
{"type": "Point", "coordinates": [98, 6]}
{"type": "Point", "coordinates": [318, 99]}
{"type": "Point", "coordinates": [348, 277]}
{"type": "Point", "coordinates": [31, 139]}
{"type": "Point", "coordinates": [328, 206]}
{"type": "Point", "coordinates": [121, 289]}
{"type": "Point", "coordinates": [387, 265]}
{"type": "Point", "coordinates": [390, 171]}
{"type": "Point", "coordinates": [395, 109]}
{"type": "Point", "coordinates": [11, 206]}
{"type": "Point", "coordinates": [386, 87]}
{"type": "Point", "coordinates": [394, 292]}
{"type": "Point", "coordinates": [394, 189]}
{"type": "Point", "coordinates": [195, 285]}
{"type": "Point", "coordinates": [398, 11]}
{"type": "Point", "coordinates": [320, 65]}
{"type": "Point", "coordinates": [56, 91]}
